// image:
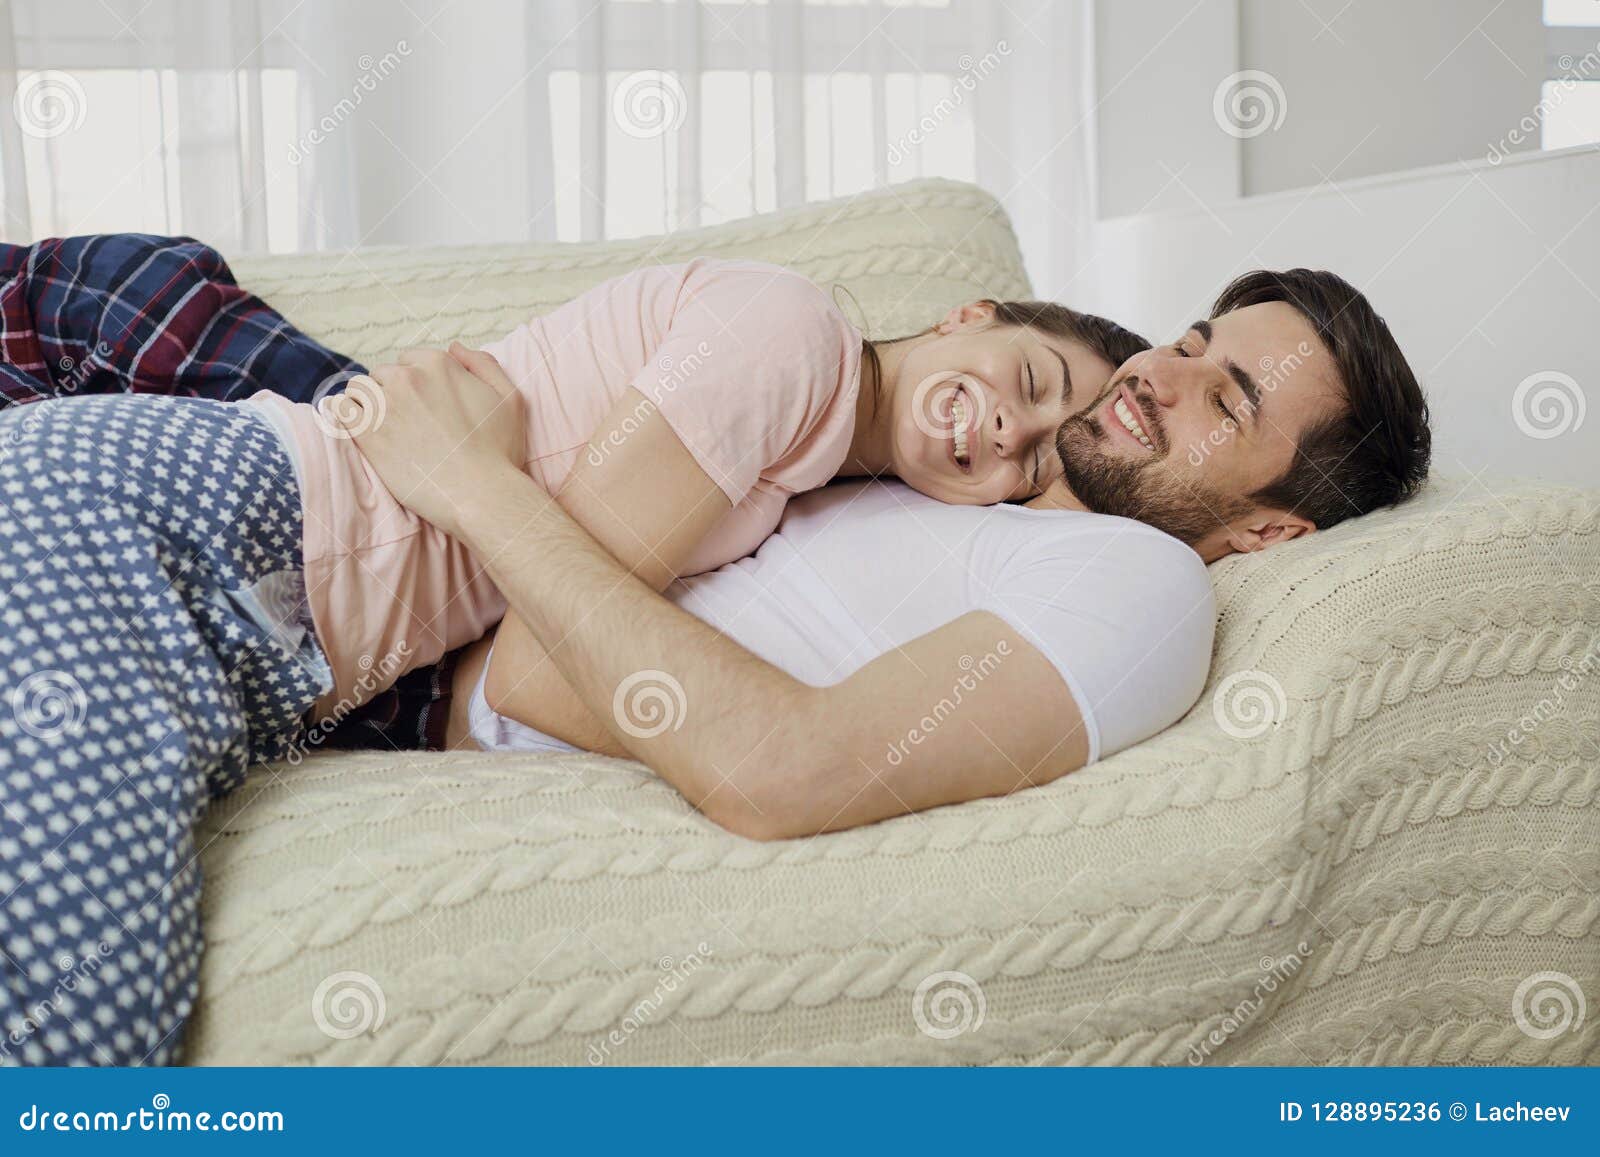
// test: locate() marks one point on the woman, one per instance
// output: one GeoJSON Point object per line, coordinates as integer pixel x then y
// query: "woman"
{"type": "Point", "coordinates": [185, 582]}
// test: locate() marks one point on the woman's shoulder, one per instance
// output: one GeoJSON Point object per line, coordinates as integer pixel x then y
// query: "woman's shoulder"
{"type": "Point", "coordinates": [765, 290]}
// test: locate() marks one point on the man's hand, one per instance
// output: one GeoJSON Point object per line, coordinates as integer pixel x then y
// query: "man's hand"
{"type": "Point", "coordinates": [438, 427]}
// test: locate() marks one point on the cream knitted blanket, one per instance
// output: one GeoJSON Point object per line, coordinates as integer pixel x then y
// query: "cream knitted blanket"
{"type": "Point", "coordinates": [1375, 839]}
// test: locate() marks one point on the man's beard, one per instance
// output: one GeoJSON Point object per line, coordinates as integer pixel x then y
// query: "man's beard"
{"type": "Point", "coordinates": [1145, 490]}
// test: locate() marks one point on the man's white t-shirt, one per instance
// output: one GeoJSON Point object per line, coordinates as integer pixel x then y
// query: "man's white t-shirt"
{"type": "Point", "coordinates": [1123, 611]}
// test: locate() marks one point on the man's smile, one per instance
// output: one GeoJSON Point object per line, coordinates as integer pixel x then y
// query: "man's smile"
{"type": "Point", "coordinates": [1125, 408]}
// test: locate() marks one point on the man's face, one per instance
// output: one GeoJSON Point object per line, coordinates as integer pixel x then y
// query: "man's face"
{"type": "Point", "coordinates": [1185, 433]}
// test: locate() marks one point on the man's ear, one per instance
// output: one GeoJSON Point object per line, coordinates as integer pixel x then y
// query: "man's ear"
{"type": "Point", "coordinates": [1263, 528]}
{"type": "Point", "coordinates": [974, 313]}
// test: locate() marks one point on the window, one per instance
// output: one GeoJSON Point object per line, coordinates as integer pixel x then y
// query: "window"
{"type": "Point", "coordinates": [884, 94]}
{"type": "Point", "coordinates": [1569, 108]}
{"type": "Point", "coordinates": [100, 147]}
{"type": "Point", "coordinates": [275, 124]}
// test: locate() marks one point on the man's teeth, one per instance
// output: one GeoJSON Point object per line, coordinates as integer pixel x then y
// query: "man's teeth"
{"type": "Point", "coordinates": [1125, 416]}
{"type": "Point", "coordinates": [958, 416]}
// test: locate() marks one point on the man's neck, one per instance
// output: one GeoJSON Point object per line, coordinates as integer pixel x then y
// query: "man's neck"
{"type": "Point", "coordinates": [1056, 497]}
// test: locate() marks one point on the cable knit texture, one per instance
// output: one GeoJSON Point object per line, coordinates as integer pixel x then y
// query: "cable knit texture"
{"type": "Point", "coordinates": [907, 254]}
{"type": "Point", "coordinates": [1366, 844]}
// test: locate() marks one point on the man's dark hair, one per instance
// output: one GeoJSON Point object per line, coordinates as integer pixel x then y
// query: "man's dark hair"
{"type": "Point", "coordinates": [1375, 453]}
{"type": "Point", "coordinates": [1104, 336]}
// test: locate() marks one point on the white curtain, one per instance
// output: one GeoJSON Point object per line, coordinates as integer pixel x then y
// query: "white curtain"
{"type": "Point", "coordinates": [305, 124]}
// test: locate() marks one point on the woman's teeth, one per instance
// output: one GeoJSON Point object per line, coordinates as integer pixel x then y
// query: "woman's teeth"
{"type": "Point", "coordinates": [1125, 416]}
{"type": "Point", "coordinates": [958, 416]}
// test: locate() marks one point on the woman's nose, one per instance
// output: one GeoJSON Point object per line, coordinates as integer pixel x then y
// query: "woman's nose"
{"type": "Point", "coordinates": [1015, 430]}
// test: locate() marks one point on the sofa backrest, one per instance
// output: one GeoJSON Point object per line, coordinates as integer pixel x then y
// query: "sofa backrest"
{"type": "Point", "coordinates": [906, 253]}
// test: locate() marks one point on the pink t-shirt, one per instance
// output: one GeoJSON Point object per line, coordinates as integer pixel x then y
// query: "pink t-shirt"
{"type": "Point", "coordinates": [753, 366]}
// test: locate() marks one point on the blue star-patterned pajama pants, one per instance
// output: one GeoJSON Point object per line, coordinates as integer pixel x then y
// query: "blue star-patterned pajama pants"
{"type": "Point", "coordinates": [153, 643]}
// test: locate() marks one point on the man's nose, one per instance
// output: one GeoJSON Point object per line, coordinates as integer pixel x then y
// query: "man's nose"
{"type": "Point", "coordinates": [1168, 379]}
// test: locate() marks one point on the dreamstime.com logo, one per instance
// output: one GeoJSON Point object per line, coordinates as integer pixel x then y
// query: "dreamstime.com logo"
{"type": "Point", "coordinates": [1573, 675]}
{"type": "Point", "coordinates": [948, 1004]}
{"type": "Point", "coordinates": [376, 675]}
{"type": "Point", "coordinates": [972, 71]}
{"type": "Point", "coordinates": [23, 425]}
{"type": "Point", "coordinates": [49, 704]}
{"type": "Point", "coordinates": [649, 703]}
{"type": "Point", "coordinates": [672, 374]}
{"type": "Point", "coordinates": [72, 974]}
{"type": "Point", "coordinates": [1249, 103]}
{"type": "Point", "coordinates": [348, 1004]}
{"type": "Point", "coordinates": [973, 672]}
{"type": "Point", "coordinates": [1274, 973]}
{"type": "Point", "coordinates": [1248, 704]}
{"type": "Point", "coordinates": [933, 404]}
{"type": "Point", "coordinates": [372, 71]}
{"type": "Point", "coordinates": [160, 1117]}
{"type": "Point", "coordinates": [1574, 74]}
{"type": "Point", "coordinates": [1273, 374]}
{"type": "Point", "coordinates": [674, 974]}
{"type": "Point", "coordinates": [649, 103]}
{"type": "Point", "coordinates": [73, 373]}
{"type": "Point", "coordinates": [331, 406]}
{"type": "Point", "coordinates": [49, 103]}
{"type": "Point", "coordinates": [1548, 1004]}
{"type": "Point", "coordinates": [1548, 404]}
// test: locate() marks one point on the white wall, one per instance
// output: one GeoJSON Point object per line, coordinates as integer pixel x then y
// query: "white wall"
{"type": "Point", "coordinates": [1365, 87]}
{"type": "Point", "coordinates": [1157, 64]}
{"type": "Point", "coordinates": [1380, 86]}
{"type": "Point", "coordinates": [1487, 274]}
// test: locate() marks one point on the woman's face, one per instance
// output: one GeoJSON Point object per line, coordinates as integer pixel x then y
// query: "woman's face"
{"type": "Point", "coordinates": [976, 407]}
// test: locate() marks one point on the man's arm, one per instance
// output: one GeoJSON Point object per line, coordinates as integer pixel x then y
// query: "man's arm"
{"type": "Point", "coordinates": [649, 504]}
{"type": "Point", "coordinates": [968, 710]}
{"type": "Point", "coordinates": [642, 496]}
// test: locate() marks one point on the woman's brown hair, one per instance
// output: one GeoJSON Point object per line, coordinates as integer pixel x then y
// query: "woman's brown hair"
{"type": "Point", "coordinates": [1105, 337]}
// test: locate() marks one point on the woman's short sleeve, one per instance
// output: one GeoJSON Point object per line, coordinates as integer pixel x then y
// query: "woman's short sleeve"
{"type": "Point", "coordinates": [757, 375]}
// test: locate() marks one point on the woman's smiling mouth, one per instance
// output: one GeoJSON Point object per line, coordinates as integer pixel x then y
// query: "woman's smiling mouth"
{"type": "Point", "coordinates": [961, 414]}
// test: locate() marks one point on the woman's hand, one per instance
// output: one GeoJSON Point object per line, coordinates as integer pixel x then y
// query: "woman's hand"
{"type": "Point", "coordinates": [438, 427]}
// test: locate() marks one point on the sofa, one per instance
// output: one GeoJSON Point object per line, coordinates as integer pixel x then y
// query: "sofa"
{"type": "Point", "coordinates": [1374, 840]}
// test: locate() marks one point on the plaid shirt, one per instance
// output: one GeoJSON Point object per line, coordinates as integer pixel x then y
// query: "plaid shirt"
{"type": "Point", "coordinates": [131, 313]}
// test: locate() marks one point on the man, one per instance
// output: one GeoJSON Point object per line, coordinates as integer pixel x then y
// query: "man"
{"type": "Point", "coordinates": [1289, 409]}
